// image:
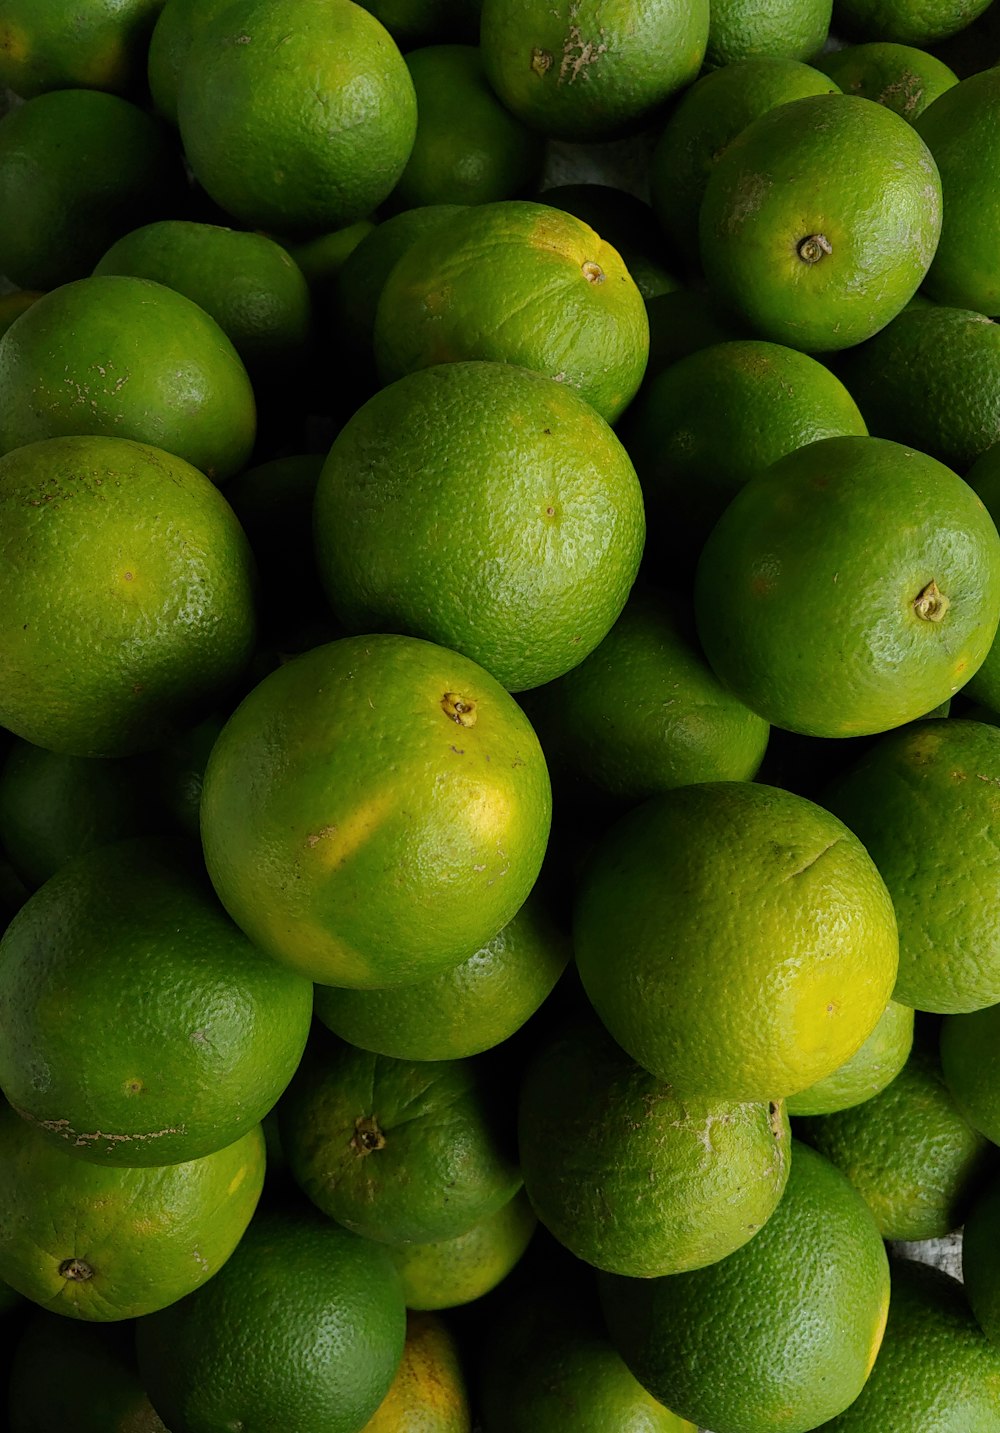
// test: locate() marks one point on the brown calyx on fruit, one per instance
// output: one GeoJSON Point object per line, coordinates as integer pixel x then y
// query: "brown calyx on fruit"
{"type": "Point", "coordinates": [77, 1270]}
{"type": "Point", "coordinates": [367, 1137]}
{"type": "Point", "coordinates": [774, 1118]}
{"type": "Point", "coordinates": [459, 709]}
{"type": "Point", "coordinates": [930, 603]}
{"type": "Point", "coordinates": [592, 272]}
{"type": "Point", "coordinates": [813, 248]}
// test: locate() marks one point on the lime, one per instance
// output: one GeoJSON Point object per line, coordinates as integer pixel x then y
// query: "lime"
{"type": "Point", "coordinates": [868, 1071]}
{"type": "Point", "coordinates": [900, 77]}
{"type": "Point", "coordinates": [450, 1272]}
{"type": "Point", "coordinates": [785, 29]}
{"type": "Point", "coordinates": [970, 1060]}
{"type": "Point", "coordinates": [428, 1394]}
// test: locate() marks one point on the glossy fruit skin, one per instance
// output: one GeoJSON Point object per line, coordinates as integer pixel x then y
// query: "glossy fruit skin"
{"type": "Point", "coordinates": [517, 282]}
{"type": "Point", "coordinates": [304, 809]}
{"type": "Point", "coordinates": [145, 1237]}
{"type": "Point", "coordinates": [207, 1030]}
{"type": "Point", "coordinates": [631, 1179]}
{"type": "Point", "coordinates": [275, 124]}
{"type": "Point", "coordinates": [794, 236]}
{"type": "Point", "coordinates": [790, 29]}
{"type": "Point", "coordinates": [900, 77]}
{"type": "Point", "coordinates": [730, 887]}
{"type": "Point", "coordinates": [399, 1151]}
{"type": "Point", "coordinates": [302, 1333]}
{"type": "Point", "coordinates": [795, 1317]}
{"type": "Point", "coordinates": [934, 776]}
{"type": "Point", "coordinates": [960, 129]}
{"type": "Point", "coordinates": [867, 1072]}
{"type": "Point", "coordinates": [164, 574]}
{"type": "Point", "coordinates": [790, 604]}
{"type": "Point", "coordinates": [935, 1367]}
{"type": "Point", "coordinates": [908, 1151]}
{"type": "Point", "coordinates": [483, 507]}
{"type": "Point", "coordinates": [590, 71]}
{"type": "Point", "coordinates": [78, 168]}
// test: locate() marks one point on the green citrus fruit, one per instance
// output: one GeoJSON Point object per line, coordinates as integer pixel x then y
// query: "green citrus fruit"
{"type": "Point", "coordinates": [910, 22]}
{"type": "Point", "coordinates": [55, 807]}
{"type": "Point", "coordinates": [909, 1151]}
{"type": "Point", "coordinates": [931, 778]}
{"type": "Point", "coordinates": [814, 632]}
{"type": "Point", "coordinates": [935, 1369]}
{"type": "Point", "coordinates": [754, 942]}
{"type": "Point", "coordinates": [301, 1332]}
{"type": "Point", "coordinates": [644, 712]}
{"type": "Point", "coordinates": [250, 285]}
{"type": "Point", "coordinates": [546, 1354]}
{"type": "Point", "coordinates": [777, 1337]}
{"type": "Point", "coordinates": [703, 427]}
{"type": "Point", "coordinates": [100, 1243]}
{"type": "Point", "coordinates": [179, 768]}
{"type": "Point", "coordinates": [207, 1030]}
{"type": "Point", "coordinates": [900, 77]}
{"type": "Point", "coordinates": [589, 69]}
{"type": "Point", "coordinates": [627, 223]}
{"type": "Point", "coordinates": [296, 115]}
{"type": "Point", "coordinates": [56, 1359]}
{"type": "Point", "coordinates": [486, 508]}
{"type": "Point", "coordinates": [984, 478]}
{"type": "Point", "coordinates": [401, 1151]}
{"type": "Point", "coordinates": [702, 125]}
{"type": "Point", "coordinates": [469, 149]}
{"type": "Point", "coordinates": [78, 168]}
{"type": "Point", "coordinates": [962, 132]}
{"type": "Point", "coordinates": [428, 1394]}
{"type": "Point", "coordinates": [868, 1071]}
{"type": "Point", "coordinates": [450, 1272]}
{"type": "Point", "coordinates": [519, 283]}
{"type": "Point", "coordinates": [177, 25]}
{"type": "Point", "coordinates": [163, 574]}
{"type": "Point", "coordinates": [466, 1009]}
{"type": "Point", "coordinates": [981, 1267]}
{"type": "Point", "coordinates": [53, 45]}
{"type": "Point", "coordinates": [970, 1061]}
{"type": "Point", "coordinates": [820, 220]}
{"type": "Point", "coordinates": [785, 29]}
{"type": "Point", "coordinates": [931, 379]}
{"type": "Point", "coordinates": [124, 357]}
{"type": "Point", "coordinates": [632, 1179]}
{"type": "Point", "coordinates": [362, 757]}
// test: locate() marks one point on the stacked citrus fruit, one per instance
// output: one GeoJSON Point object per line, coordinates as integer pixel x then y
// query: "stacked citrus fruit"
{"type": "Point", "coordinates": [499, 753]}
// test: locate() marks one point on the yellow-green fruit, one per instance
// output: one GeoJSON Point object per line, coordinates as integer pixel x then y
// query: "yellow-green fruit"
{"type": "Point", "coordinates": [984, 478]}
{"type": "Point", "coordinates": [589, 69]}
{"type": "Point", "coordinates": [400, 1151]}
{"type": "Point", "coordinates": [627, 223]}
{"type": "Point", "coordinates": [363, 756]}
{"type": "Point", "coordinates": [935, 1369]}
{"type": "Point", "coordinates": [820, 221]}
{"type": "Point", "coordinates": [970, 1062]}
{"type": "Point", "coordinates": [779, 1336]}
{"type": "Point", "coordinates": [631, 1179]}
{"type": "Point", "coordinates": [99, 1243]}
{"type": "Point", "coordinates": [961, 130]}
{"type": "Point", "coordinates": [520, 283]}
{"type": "Point", "coordinates": [301, 1332]}
{"type": "Point", "coordinates": [78, 168]}
{"type": "Point", "coordinates": [900, 77]}
{"type": "Point", "coordinates": [808, 629]}
{"type": "Point", "coordinates": [469, 1008]}
{"type": "Point", "coordinates": [736, 940]}
{"type": "Point", "coordinates": [54, 45]}
{"type": "Point", "coordinates": [449, 1272]}
{"type": "Point", "coordinates": [163, 573]}
{"type": "Point", "coordinates": [122, 357]}
{"type": "Point", "coordinates": [934, 776]}
{"type": "Point", "coordinates": [908, 1151]}
{"type": "Point", "coordinates": [173, 35]}
{"type": "Point", "coordinates": [296, 115]}
{"type": "Point", "coordinates": [483, 507]}
{"type": "Point", "coordinates": [207, 1030]}
{"type": "Point", "coordinates": [428, 1394]}
{"type": "Point", "coordinates": [786, 29]}
{"type": "Point", "coordinates": [867, 1072]}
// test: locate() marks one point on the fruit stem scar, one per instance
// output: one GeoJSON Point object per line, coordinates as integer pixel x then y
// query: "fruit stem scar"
{"type": "Point", "coordinates": [812, 248]}
{"type": "Point", "coordinates": [592, 272]}
{"type": "Point", "coordinates": [930, 603]}
{"type": "Point", "coordinates": [774, 1118]}
{"type": "Point", "coordinates": [460, 709]}
{"type": "Point", "coordinates": [367, 1137]}
{"type": "Point", "coordinates": [78, 1270]}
